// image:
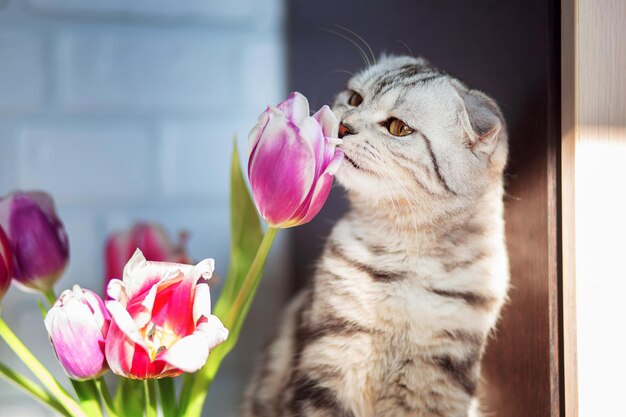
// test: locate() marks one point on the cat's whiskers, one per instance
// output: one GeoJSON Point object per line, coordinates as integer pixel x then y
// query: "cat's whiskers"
{"type": "Point", "coordinates": [410, 199]}
{"type": "Point", "coordinates": [395, 202]}
{"type": "Point", "coordinates": [353, 42]}
{"type": "Point", "coordinates": [367, 45]}
{"type": "Point", "coordinates": [341, 71]}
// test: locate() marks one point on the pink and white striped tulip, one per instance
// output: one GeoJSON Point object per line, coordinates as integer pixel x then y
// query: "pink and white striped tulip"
{"type": "Point", "coordinates": [38, 239]}
{"type": "Point", "coordinates": [161, 323]}
{"type": "Point", "coordinates": [6, 264]}
{"type": "Point", "coordinates": [151, 239]}
{"type": "Point", "coordinates": [77, 324]}
{"type": "Point", "coordinates": [293, 157]}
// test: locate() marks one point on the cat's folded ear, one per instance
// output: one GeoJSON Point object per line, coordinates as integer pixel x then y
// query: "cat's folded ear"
{"type": "Point", "coordinates": [485, 127]}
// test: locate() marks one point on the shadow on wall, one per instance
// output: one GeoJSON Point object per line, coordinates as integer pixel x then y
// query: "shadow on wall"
{"type": "Point", "coordinates": [509, 50]}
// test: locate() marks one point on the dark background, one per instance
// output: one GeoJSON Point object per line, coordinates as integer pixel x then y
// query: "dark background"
{"type": "Point", "coordinates": [509, 50]}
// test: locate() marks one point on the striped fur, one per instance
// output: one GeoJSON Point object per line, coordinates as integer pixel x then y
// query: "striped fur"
{"type": "Point", "coordinates": [412, 280]}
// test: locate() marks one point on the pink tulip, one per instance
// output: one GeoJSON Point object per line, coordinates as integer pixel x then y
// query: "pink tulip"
{"type": "Point", "coordinates": [293, 157]}
{"type": "Point", "coordinates": [6, 263]}
{"type": "Point", "coordinates": [77, 324]}
{"type": "Point", "coordinates": [161, 319]}
{"type": "Point", "coordinates": [37, 238]}
{"type": "Point", "coordinates": [153, 241]}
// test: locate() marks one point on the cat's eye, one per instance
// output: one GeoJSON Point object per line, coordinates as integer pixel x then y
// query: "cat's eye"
{"type": "Point", "coordinates": [355, 99]}
{"type": "Point", "coordinates": [397, 127]}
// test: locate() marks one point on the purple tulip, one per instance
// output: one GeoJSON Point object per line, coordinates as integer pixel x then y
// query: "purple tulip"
{"type": "Point", "coordinates": [78, 324]}
{"type": "Point", "coordinates": [293, 157]}
{"type": "Point", "coordinates": [37, 237]}
{"type": "Point", "coordinates": [6, 263]}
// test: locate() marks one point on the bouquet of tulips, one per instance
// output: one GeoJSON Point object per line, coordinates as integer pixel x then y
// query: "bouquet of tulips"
{"type": "Point", "coordinates": [156, 322]}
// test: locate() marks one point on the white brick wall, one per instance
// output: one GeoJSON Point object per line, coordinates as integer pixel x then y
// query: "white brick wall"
{"type": "Point", "coordinates": [22, 63]}
{"type": "Point", "coordinates": [125, 111]}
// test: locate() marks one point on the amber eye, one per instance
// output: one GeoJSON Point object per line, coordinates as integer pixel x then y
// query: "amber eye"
{"type": "Point", "coordinates": [355, 99]}
{"type": "Point", "coordinates": [397, 127]}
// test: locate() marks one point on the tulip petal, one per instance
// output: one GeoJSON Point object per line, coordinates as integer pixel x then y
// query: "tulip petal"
{"type": "Point", "coordinates": [328, 122]}
{"type": "Point", "coordinates": [119, 351]}
{"type": "Point", "coordinates": [295, 107]}
{"type": "Point", "coordinates": [202, 302]}
{"type": "Point", "coordinates": [174, 306]}
{"type": "Point", "coordinates": [191, 352]}
{"type": "Point", "coordinates": [311, 132]}
{"type": "Point", "coordinates": [322, 187]}
{"type": "Point", "coordinates": [281, 171]}
{"type": "Point", "coordinates": [118, 251]}
{"type": "Point", "coordinates": [140, 275]}
{"type": "Point", "coordinates": [153, 241]}
{"type": "Point", "coordinates": [203, 269]}
{"type": "Point", "coordinates": [142, 367]}
{"type": "Point", "coordinates": [98, 309]}
{"type": "Point", "coordinates": [44, 201]}
{"type": "Point", "coordinates": [6, 263]}
{"type": "Point", "coordinates": [124, 322]}
{"type": "Point", "coordinates": [76, 339]}
{"type": "Point", "coordinates": [140, 308]}
{"type": "Point", "coordinates": [38, 239]}
{"type": "Point", "coordinates": [257, 131]}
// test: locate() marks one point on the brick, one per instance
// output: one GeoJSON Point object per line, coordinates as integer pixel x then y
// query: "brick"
{"type": "Point", "coordinates": [86, 164]}
{"type": "Point", "coordinates": [145, 71]}
{"type": "Point", "coordinates": [195, 159]}
{"type": "Point", "coordinates": [22, 80]}
{"type": "Point", "coordinates": [265, 85]}
{"type": "Point", "coordinates": [8, 162]}
{"type": "Point", "coordinates": [86, 250]}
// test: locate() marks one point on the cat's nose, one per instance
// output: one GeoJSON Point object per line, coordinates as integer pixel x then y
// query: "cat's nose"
{"type": "Point", "coordinates": [345, 130]}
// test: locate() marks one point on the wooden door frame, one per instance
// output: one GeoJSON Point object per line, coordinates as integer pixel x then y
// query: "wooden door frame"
{"type": "Point", "coordinates": [569, 374]}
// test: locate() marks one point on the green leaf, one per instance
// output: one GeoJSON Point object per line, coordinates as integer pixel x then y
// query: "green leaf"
{"type": "Point", "coordinates": [32, 388]}
{"type": "Point", "coordinates": [246, 234]}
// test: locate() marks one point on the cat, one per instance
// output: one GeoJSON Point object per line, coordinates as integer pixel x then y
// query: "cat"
{"type": "Point", "coordinates": [412, 279]}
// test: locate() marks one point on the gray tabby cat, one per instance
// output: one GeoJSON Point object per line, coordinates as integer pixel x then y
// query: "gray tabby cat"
{"type": "Point", "coordinates": [412, 280]}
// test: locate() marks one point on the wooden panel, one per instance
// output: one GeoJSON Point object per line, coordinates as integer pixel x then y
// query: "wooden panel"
{"type": "Point", "coordinates": [568, 146]}
{"type": "Point", "coordinates": [511, 51]}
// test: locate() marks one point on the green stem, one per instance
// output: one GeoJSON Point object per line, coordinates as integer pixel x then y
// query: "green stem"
{"type": "Point", "coordinates": [32, 388]}
{"type": "Point", "coordinates": [88, 397]}
{"type": "Point", "coordinates": [150, 398]}
{"type": "Point", "coordinates": [50, 296]}
{"type": "Point", "coordinates": [194, 392]}
{"type": "Point", "coordinates": [185, 393]}
{"type": "Point", "coordinates": [129, 398]}
{"type": "Point", "coordinates": [167, 394]}
{"type": "Point", "coordinates": [105, 394]}
{"type": "Point", "coordinates": [39, 370]}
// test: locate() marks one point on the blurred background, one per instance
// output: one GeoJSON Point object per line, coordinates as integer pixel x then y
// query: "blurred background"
{"type": "Point", "coordinates": [125, 111]}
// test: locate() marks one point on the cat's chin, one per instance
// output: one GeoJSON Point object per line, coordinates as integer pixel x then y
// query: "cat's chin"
{"type": "Point", "coordinates": [357, 182]}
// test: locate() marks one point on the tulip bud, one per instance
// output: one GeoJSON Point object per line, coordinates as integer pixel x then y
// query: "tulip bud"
{"type": "Point", "coordinates": [6, 263]}
{"type": "Point", "coordinates": [77, 324]}
{"type": "Point", "coordinates": [153, 241]}
{"type": "Point", "coordinates": [37, 238]}
{"type": "Point", "coordinates": [293, 157]}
